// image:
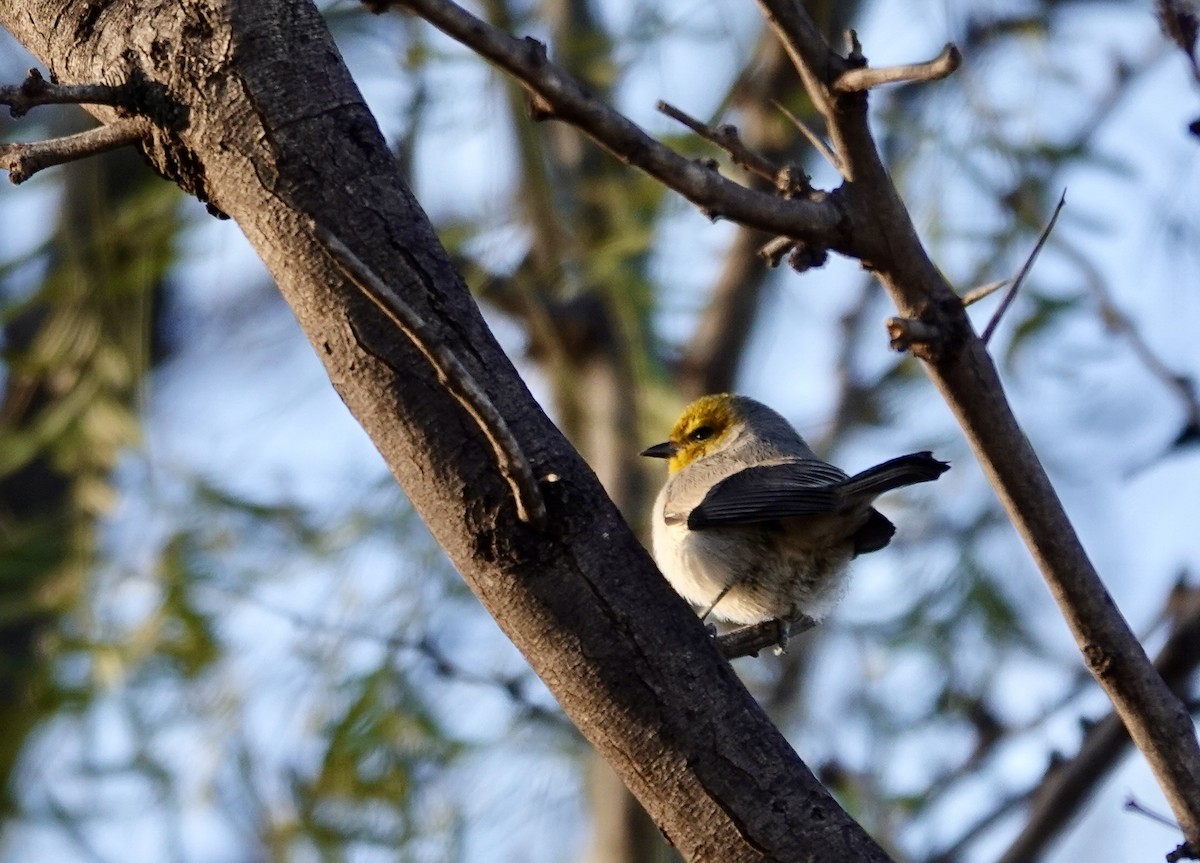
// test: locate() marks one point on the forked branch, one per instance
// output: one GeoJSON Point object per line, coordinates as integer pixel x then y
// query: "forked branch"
{"type": "Point", "coordinates": [1156, 719]}
{"type": "Point", "coordinates": [557, 95]}
{"type": "Point", "coordinates": [23, 160]}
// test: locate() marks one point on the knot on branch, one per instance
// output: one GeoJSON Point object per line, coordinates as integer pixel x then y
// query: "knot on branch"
{"type": "Point", "coordinates": [792, 181]}
{"type": "Point", "coordinates": [28, 94]}
{"type": "Point", "coordinates": [917, 336]}
{"type": "Point", "coordinates": [1186, 851]}
{"type": "Point", "coordinates": [538, 108]}
{"type": "Point", "coordinates": [1099, 660]}
{"type": "Point", "coordinates": [801, 256]}
{"type": "Point", "coordinates": [807, 257]}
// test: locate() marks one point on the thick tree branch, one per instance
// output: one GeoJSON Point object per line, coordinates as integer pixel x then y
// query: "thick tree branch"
{"type": "Point", "coordinates": [513, 465]}
{"type": "Point", "coordinates": [877, 230]}
{"type": "Point", "coordinates": [627, 660]}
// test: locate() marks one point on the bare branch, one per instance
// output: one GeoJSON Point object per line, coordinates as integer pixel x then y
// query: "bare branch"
{"type": "Point", "coordinates": [726, 137]}
{"type": "Point", "coordinates": [974, 295]}
{"type": "Point", "coordinates": [1132, 805]}
{"type": "Point", "coordinates": [959, 365]}
{"type": "Point", "coordinates": [1067, 784]}
{"type": "Point", "coordinates": [811, 136]}
{"type": "Point", "coordinates": [856, 80]}
{"type": "Point", "coordinates": [1025, 268]}
{"type": "Point", "coordinates": [510, 459]}
{"type": "Point", "coordinates": [22, 161]}
{"type": "Point", "coordinates": [815, 62]}
{"type": "Point", "coordinates": [1056, 797]}
{"type": "Point", "coordinates": [1180, 21]}
{"type": "Point", "coordinates": [36, 90]}
{"type": "Point", "coordinates": [557, 95]}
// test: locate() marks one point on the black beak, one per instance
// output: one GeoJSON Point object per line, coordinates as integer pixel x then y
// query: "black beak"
{"type": "Point", "coordinates": [666, 449]}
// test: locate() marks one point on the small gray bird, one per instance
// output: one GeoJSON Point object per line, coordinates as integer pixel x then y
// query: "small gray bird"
{"type": "Point", "coordinates": [751, 526]}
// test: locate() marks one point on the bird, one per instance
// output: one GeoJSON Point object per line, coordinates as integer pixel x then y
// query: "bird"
{"type": "Point", "coordinates": [751, 526]}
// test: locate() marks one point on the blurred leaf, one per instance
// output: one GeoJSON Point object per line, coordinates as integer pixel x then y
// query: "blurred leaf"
{"type": "Point", "coordinates": [1041, 315]}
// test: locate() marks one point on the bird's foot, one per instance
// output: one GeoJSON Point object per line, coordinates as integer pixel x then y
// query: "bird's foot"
{"type": "Point", "coordinates": [775, 633]}
{"type": "Point", "coordinates": [785, 636]}
{"type": "Point", "coordinates": [749, 640]}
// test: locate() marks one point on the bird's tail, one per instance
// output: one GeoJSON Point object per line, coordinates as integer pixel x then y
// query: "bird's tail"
{"type": "Point", "coordinates": [895, 473]}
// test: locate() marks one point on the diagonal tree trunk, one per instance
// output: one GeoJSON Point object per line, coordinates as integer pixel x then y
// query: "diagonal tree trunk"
{"type": "Point", "coordinates": [254, 112]}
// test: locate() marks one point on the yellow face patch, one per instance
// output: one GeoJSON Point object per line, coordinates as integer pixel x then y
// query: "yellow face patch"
{"type": "Point", "coordinates": [701, 428]}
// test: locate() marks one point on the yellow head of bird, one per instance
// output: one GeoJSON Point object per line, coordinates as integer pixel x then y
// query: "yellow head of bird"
{"type": "Point", "coordinates": [701, 429]}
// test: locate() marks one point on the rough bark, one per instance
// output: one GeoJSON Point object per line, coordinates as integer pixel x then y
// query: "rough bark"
{"type": "Point", "coordinates": [865, 219]}
{"type": "Point", "coordinates": [254, 111]}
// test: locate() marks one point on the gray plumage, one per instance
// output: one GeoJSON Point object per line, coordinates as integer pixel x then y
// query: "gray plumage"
{"type": "Point", "coordinates": [762, 527]}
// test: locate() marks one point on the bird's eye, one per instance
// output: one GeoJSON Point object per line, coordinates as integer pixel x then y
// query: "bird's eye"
{"type": "Point", "coordinates": [700, 433]}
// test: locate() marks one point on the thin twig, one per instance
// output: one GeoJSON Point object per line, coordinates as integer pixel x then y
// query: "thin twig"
{"type": "Point", "coordinates": [726, 137]}
{"type": "Point", "coordinates": [812, 137]}
{"type": "Point", "coordinates": [974, 295]}
{"type": "Point", "coordinates": [1132, 805]}
{"type": "Point", "coordinates": [774, 249]}
{"type": "Point", "coordinates": [864, 78]}
{"type": "Point", "coordinates": [1064, 789]}
{"type": "Point", "coordinates": [36, 90]}
{"type": "Point", "coordinates": [510, 459]}
{"type": "Point", "coordinates": [1025, 268]}
{"type": "Point", "coordinates": [22, 161]}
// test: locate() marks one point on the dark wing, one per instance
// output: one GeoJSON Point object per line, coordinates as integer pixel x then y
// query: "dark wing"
{"type": "Point", "coordinates": [875, 533]}
{"type": "Point", "coordinates": [770, 492]}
